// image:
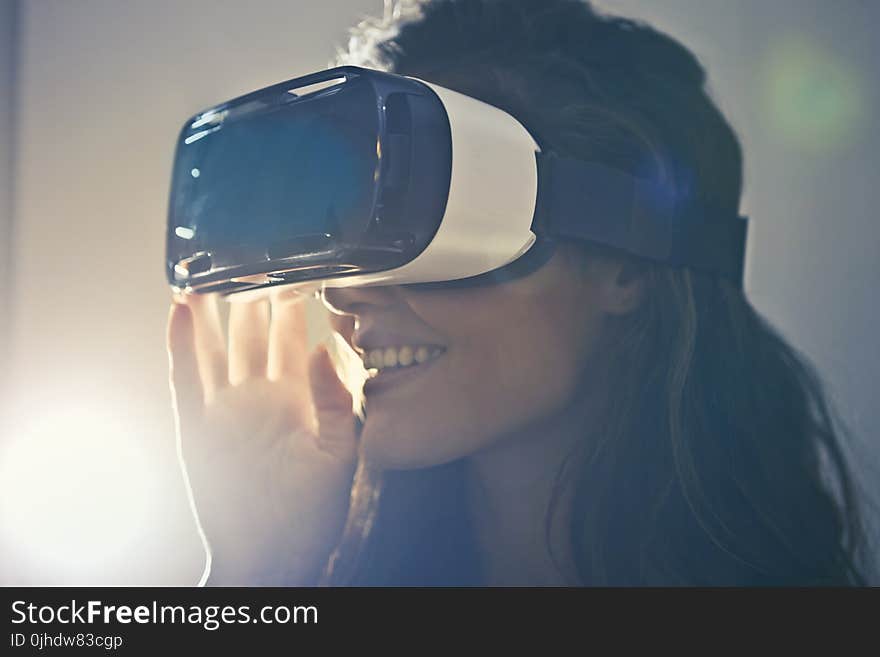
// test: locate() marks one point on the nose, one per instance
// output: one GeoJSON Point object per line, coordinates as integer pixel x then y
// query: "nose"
{"type": "Point", "coordinates": [359, 300]}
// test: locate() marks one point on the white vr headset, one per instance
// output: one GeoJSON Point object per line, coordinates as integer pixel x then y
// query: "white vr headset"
{"type": "Point", "coordinates": [353, 176]}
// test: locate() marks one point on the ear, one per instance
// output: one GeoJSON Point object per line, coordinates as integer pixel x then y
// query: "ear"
{"type": "Point", "coordinates": [622, 286]}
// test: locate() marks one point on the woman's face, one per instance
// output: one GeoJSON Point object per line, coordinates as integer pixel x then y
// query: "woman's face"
{"type": "Point", "coordinates": [510, 354]}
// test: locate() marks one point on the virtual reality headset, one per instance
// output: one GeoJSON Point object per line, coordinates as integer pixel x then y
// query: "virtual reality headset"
{"type": "Point", "coordinates": [353, 176]}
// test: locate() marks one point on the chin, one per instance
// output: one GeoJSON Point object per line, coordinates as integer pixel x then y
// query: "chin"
{"type": "Point", "coordinates": [390, 441]}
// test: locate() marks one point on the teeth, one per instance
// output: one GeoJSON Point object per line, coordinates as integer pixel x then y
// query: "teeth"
{"type": "Point", "coordinates": [390, 357]}
{"type": "Point", "coordinates": [400, 356]}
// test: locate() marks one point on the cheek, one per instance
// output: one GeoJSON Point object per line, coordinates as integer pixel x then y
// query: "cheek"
{"type": "Point", "coordinates": [531, 371]}
{"type": "Point", "coordinates": [503, 370]}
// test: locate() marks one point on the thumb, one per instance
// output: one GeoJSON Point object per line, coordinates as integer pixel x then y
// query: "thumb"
{"type": "Point", "coordinates": [333, 408]}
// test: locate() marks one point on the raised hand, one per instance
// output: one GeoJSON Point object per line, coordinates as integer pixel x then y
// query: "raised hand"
{"type": "Point", "coordinates": [266, 437]}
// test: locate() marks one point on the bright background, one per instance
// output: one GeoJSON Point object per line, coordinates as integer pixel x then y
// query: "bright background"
{"type": "Point", "coordinates": [92, 93]}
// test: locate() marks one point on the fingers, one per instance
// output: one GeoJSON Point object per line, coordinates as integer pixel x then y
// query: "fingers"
{"type": "Point", "coordinates": [288, 355]}
{"type": "Point", "coordinates": [288, 340]}
{"type": "Point", "coordinates": [333, 410]}
{"type": "Point", "coordinates": [248, 340]}
{"type": "Point", "coordinates": [210, 342]}
{"type": "Point", "coordinates": [186, 387]}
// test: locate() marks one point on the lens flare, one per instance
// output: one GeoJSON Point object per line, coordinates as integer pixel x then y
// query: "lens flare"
{"type": "Point", "coordinates": [76, 490]}
{"type": "Point", "coordinates": [813, 97]}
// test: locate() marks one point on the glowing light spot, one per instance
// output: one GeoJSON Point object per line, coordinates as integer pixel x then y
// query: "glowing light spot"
{"type": "Point", "coordinates": [184, 233]}
{"type": "Point", "coordinates": [812, 97]}
{"type": "Point", "coordinates": [195, 173]}
{"type": "Point", "coordinates": [75, 489]}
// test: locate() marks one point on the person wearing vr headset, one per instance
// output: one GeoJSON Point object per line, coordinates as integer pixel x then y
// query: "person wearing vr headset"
{"type": "Point", "coordinates": [522, 215]}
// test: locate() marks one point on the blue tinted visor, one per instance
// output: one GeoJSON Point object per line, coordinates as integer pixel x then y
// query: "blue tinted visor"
{"type": "Point", "coordinates": [337, 173]}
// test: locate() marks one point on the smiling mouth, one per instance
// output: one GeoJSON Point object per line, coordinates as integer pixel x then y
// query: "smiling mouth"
{"type": "Point", "coordinates": [383, 358]}
{"type": "Point", "coordinates": [392, 366]}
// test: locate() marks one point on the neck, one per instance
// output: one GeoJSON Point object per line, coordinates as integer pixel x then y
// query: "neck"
{"type": "Point", "coordinates": [511, 488]}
